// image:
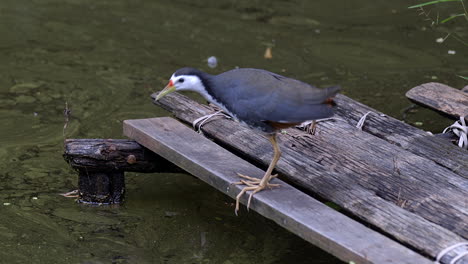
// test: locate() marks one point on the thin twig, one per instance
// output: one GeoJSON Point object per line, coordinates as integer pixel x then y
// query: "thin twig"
{"type": "Point", "coordinates": [66, 114]}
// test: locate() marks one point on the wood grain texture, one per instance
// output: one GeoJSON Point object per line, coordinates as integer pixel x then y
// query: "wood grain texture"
{"type": "Point", "coordinates": [409, 197]}
{"type": "Point", "coordinates": [403, 135]}
{"type": "Point", "coordinates": [441, 98]}
{"type": "Point", "coordinates": [290, 208]}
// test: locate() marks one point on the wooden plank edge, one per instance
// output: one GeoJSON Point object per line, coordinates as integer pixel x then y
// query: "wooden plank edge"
{"type": "Point", "coordinates": [296, 211]}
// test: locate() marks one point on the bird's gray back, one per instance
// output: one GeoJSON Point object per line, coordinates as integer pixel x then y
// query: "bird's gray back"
{"type": "Point", "coordinates": [255, 95]}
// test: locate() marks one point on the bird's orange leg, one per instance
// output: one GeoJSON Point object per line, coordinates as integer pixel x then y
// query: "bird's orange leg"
{"type": "Point", "coordinates": [255, 185]}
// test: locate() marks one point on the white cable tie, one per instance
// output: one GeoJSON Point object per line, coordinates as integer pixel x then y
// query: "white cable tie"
{"type": "Point", "coordinates": [458, 257]}
{"type": "Point", "coordinates": [202, 120]}
{"type": "Point", "coordinates": [460, 129]}
{"type": "Point", "coordinates": [306, 123]}
{"type": "Point", "coordinates": [450, 248]}
{"type": "Point", "coordinates": [361, 121]}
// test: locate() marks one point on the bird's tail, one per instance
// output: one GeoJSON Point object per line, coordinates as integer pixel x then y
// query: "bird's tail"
{"type": "Point", "coordinates": [330, 94]}
{"type": "Point", "coordinates": [332, 90]}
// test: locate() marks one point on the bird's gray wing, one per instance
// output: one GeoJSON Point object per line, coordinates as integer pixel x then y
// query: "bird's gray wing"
{"type": "Point", "coordinates": [262, 95]}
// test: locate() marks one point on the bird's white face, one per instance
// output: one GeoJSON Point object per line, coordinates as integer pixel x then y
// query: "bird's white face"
{"type": "Point", "coordinates": [187, 83]}
{"type": "Point", "coordinates": [184, 83]}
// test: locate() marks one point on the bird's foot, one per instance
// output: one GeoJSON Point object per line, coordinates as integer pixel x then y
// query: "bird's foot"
{"type": "Point", "coordinates": [253, 184]}
{"type": "Point", "coordinates": [249, 181]}
{"type": "Point", "coordinates": [309, 127]}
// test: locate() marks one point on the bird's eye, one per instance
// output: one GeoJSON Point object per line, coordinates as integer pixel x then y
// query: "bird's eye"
{"type": "Point", "coordinates": [181, 80]}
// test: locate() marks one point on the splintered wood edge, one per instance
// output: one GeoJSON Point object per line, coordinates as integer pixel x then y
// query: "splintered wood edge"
{"type": "Point", "coordinates": [287, 206]}
{"type": "Point", "coordinates": [441, 98]}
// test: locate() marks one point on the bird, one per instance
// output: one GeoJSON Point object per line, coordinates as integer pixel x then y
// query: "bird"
{"type": "Point", "coordinates": [262, 100]}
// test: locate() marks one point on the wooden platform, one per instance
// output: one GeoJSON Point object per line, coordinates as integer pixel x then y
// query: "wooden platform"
{"type": "Point", "coordinates": [442, 98]}
{"type": "Point", "coordinates": [287, 206]}
{"type": "Point", "coordinates": [401, 181]}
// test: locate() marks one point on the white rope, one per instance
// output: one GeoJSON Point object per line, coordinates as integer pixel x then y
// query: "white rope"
{"type": "Point", "coordinates": [202, 120]}
{"type": "Point", "coordinates": [458, 257]}
{"type": "Point", "coordinates": [304, 125]}
{"type": "Point", "coordinates": [450, 248]}
{"type": "Point", "coordinates": [460, 129]}
{"type": "Point", "coordinates": [361, 121]}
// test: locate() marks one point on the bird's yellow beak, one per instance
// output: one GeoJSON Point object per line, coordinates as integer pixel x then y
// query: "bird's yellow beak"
{"type": "Point", "coordinates": [167, 90]}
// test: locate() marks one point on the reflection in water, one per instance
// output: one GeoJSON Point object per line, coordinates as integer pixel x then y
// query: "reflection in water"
{"type": "Point", "coordinates": [104, 58]}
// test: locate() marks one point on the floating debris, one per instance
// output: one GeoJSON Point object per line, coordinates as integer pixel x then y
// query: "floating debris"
{"type": "Point", "coordinates": [212, 62]}
{"type": "Point", "coordinates": [202, 239]}
{"type": "Point", "coordinates": [72, 194]}
{"type": "Point", "coordinates": [268, 55]}
{"type": "Point", "coordinates": [170, 214]}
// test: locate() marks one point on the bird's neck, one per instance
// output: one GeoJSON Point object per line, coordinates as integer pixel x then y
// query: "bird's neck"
{"type": "Point", "coordinates": [210, 93]}
{"type": "Point", "coordinates": [206, 90]}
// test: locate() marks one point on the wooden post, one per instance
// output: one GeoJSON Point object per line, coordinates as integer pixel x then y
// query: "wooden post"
{"type": "Point", "coordinates": [101, 164]}
{"type": "Point", "coordinates": [101, 187]}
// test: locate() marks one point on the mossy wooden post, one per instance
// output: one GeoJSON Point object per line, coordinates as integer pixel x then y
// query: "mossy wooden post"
{"type": "Point", "coordinates": [101, 164]}
{"type": "Point", "coordinates": [101, 187]}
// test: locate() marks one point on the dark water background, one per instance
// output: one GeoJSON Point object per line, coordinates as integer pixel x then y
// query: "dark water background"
{"type": "Point", "coordinates": [104, 58]}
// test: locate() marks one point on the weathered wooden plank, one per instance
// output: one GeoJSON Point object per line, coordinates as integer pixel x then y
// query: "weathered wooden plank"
{"type": "Point", "coordinates": [290, 208]}
{"type": "Point", "coordinates": [356, 176]}
{"type": "Point", "coordinates": [441, 98]}
{"type": "Point", "coordinates": [114, 154]}
{"type": "Point", "coordinates": [406, 136]}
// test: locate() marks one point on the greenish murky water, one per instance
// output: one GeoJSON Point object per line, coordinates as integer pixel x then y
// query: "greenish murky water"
{"type": "Point", "coordinates": [104, 58]}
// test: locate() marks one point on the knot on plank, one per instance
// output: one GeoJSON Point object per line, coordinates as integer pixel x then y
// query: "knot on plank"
{"type": "Point", "coordinates": [460, 129]}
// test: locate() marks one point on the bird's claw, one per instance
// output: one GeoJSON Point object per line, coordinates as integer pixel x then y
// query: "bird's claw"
{"type": "Point", "coordinates": [253, 184]}
{"type": "Point", "coordinates": [257, 180]}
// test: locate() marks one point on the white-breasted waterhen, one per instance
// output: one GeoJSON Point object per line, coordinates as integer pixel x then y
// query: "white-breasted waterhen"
{"type": "Point", "coordinates": [261, 99]}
